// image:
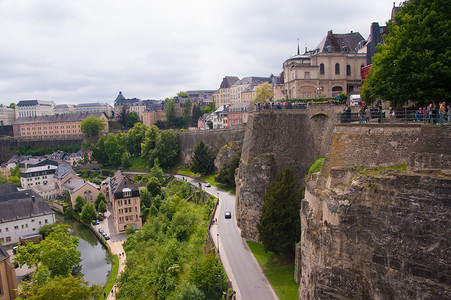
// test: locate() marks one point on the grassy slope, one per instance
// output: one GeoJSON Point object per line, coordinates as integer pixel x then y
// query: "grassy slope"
{"type": "Point", "coordinates": [112, 277]}
{"type": "Point", "coordinates": [279, 271]}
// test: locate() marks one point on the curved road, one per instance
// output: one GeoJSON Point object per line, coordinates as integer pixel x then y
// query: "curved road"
{"type": "Point", "coordinates": [248, 279]}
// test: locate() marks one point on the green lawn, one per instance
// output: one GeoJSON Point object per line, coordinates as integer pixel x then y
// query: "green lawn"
{"type": "Point", "coordinates": [112, 278]}
{"type": "Point", "coordinates": [279, 271]}
{"type": "Point", "coordinates": [185, 171]}
{"type": "Point", "coordinates": [137, 163]}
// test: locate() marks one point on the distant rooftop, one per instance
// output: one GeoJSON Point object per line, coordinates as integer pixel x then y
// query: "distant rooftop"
{"type": "Point", "coordinates": [56, 118]}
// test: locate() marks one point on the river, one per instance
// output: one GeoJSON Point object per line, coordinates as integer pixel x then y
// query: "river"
{"type": "Point", "coordinates": [96, 262]}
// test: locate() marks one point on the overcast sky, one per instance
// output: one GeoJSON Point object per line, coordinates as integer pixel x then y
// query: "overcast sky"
{"type": "Point", "coordinates": [88, 50]}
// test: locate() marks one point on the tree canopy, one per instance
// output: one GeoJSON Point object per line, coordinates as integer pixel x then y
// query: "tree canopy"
{"type": "Point", "coordinates": [132, 119]}
{"type": "Point", "coordinates": [263, 93]}
{"type": "Point", "coordinates": [279, 227]}
{"type": "Point", "coordinates": [92, 126]}
{"type": "Point", "coordinates": [203, 159]}
{"type": "Point", "coordinates": [414, 64]}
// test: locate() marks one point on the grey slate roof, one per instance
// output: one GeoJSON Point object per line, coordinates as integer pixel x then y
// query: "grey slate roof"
{"type": "Point", "coordinates": [74, 184]}
{"type": "Point", "coordinates": [56, 118]}
{"type": "Point", "coordinates": [253, 79]}
{"type": "Point", "coordinates": [34, 102]}
{"type": "Point", "coordinates": [7, 188]}
{"type": "Point", "coordinates": [19, 205]}
{"type": "Point", "coordinates": [63, 170]}
{"type": "Point", "coordinates": [120, 181]}
{"type": "Point", "coordinates": [338, 43]}
{"type": "Point", "coordinates": [228, 81]}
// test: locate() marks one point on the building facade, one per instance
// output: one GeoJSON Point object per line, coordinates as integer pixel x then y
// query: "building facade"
{"type": "Point", "coordinates": [34, 108]}
{"type": "Point", "coordinates": [22, 213]}
{"type": "Point", "coordinates": [53, 127]}
{"type": "Point", "coordinates": [8, 280]}
{"type": "Point", "coordinates": [124, 195]}
{"type": "Point", "coordinates": [94, 108]}
{"type": "Point", "coordinates": [77, 186]}
{"type": "Point", "coordinates": [241, 85]}
{"type": "Point", "coordinates": [7, 115]}
{"type": "Point", "coordinates": [223, 95]}
{"type": "Point", "coordinates": [238, 113]}
{"type": "Point", "coordinates": [332, 68]}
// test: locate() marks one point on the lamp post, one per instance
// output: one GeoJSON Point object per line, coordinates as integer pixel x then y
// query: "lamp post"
{"type": "Point", "coordinates": [217, 239]}
{"type": "Point", "coordinates": [318, 91]}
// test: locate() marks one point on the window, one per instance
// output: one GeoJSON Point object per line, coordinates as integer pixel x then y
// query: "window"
{"type": "Point", "coordinates": [46, 221]}
{"type": "Point", "coordinates": [321, 69]}
{"type": "Point", "coordinates": [348, 70]}
{"type": "Point", "coordinates": [7, 229]}
{"type": "Point", "coordinates": [8, 239]}
{"type": "Point", "coordinates": [16, 227]}
{"type": "Point", "coordinates": [337, 69]}
{"type": "Point", "coordinates": [307, 75]}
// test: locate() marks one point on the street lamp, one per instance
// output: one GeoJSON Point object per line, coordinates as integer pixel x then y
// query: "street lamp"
{"type": "Point", "coordinates": [318, 91]}
{"type": "Point", "coordinates": [217, 239]}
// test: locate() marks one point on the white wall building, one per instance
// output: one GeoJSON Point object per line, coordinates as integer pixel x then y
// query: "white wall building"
{"type": "Point", "coordinates": [34, 108]}
{"type": "Point", "coordinates": [38, 176]}
{"type": "Point", "coordinates": [7, 115]}
{"type": "Point", "coordinates": [22, 213]}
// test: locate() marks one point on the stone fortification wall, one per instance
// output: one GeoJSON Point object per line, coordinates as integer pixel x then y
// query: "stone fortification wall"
{"type": "Point", "coordinates": [215, 139]}
{"type": "Point", "coordinates": [273, 140]}
{"type": "Point", "coordinates": [372, 231]}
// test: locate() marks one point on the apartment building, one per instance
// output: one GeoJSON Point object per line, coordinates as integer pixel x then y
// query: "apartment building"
{"type": "Point", "coordinates": [22, 213]}
{"type": "Point", "coordinates": [241, 85]}
{"type": "Point", "coordinates": [124, 195]}
{"type": "Point", "coordinates": [53, 127]}
{"type": "Point", "coordinates": [7, 115]}
{"type": "Point", "coordinates": [332, 68]}
{"type": "Point", "coordinates": [8, 280]}
{"type": "Point", "coordinates": [238, 113]}
{"type": "Point", "coordinates": [94, 108]}
{"type": "Point", "coordinates": [61, 109]}
{"type": "Point", "coordinates": [77, 186]}
{"type": "Point", "coordinates": [34, 108]}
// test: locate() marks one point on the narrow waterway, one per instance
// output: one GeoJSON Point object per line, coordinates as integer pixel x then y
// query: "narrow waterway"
{"type": "Point", "coordinates": [96, 262]}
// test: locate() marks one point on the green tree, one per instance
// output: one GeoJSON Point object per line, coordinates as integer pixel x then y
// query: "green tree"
{"type": "Point", "coordinates": [154, 186]}
{"type": "Point", "coordinates": [89, 212]}
{"type": "Point", "coordinates": [99, 152]}
{"type": "Point", "coordinates": [102, 207]}
{"type": "Point", "coordinates": [343, 97]}
{"type": "Point", "coordinates": [204, 275]}
{"type": "Point", "coordinates": [203, 159]}
{"type": "Point", "coordinates": [92, 126]}
{"type": "Point", "coordinates": [263, 93]}
{"type": "Point", "coordinates": [148, 144]}
{"type": "Point", "coordinates": [100, 198]}
{"type": "Point", "coordinates": [170, 112]}
{"type": "Point", "coordinates": [68, 288]}
{"type": "Point", "coordinates": [135, 137]}
{"type": "Point", "coordinates": [125, 160]}
{"type": "Point", "coordinates": [132, 119]}
{"type": "Point", "coordinates": [114, 147]}
{"type": "Point", "coordinates": [187, 112]}
{"type": "Point", "coordinates": [207, 110]}
{"type": "Point", "coordinates": [183, 94]}
{"type": "Point", "coordinates": [279, 227]}
{"type": "Point", "coordinates": [79, 203]}
{"type": "Point", "coordinates": [187, 291]}
{"type": "Point", "coordinates": [157, 171]}
{"type": "Point", "coordinates": [197, 113]}
{"type": "Point", "coordinates": [414, 64]}
{"type": "Point", "coordinates": [12, 105]}
{"type": "Point", "coordinates": [166, 148]}
{"type": "Point", "coordinates": [227, 172]}
{"type": "Point", "coordinates": [210, 124]}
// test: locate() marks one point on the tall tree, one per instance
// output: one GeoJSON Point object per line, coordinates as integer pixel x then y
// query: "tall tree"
{"type": "Point", "coordinates": [187, 112]}
{"type": "Point", "coordinates": [88, 212]}
{"type": "Point", "coordinates": [170, 112]}
{"type": "Point", "coordinates": [279, 227]}
{"type": "Point", "coordinates": [148, 144]}
{"type": "Point", "coordinates": [79, 203]}
{"type": "Point", "coordinates": [263, 93]}
{"type": "Point", "coordinates": [414, 64]}
{"type": "Point", "coordinates": [227, 172]}
{"type": "Point", "coordinates": [92, 126]}
{"type": "Point", "coordinates": [68, 288]}
{"type": "Point", "coordinates": [114, 147]}
{"type": "Point", "coordinates": [132, 119]}
{"type": "Point", "coordinates": [203, 159]}
{"type": "Point", "coordinates": [98, 151]}
{"type": "Point", "coordinates": [166, 148]}
{"type": "Point", "coordinates": [197, 113]}
{"type": "Point", "coordinates": [135, 137]}
{"type": "Point", "coordinates": [100, 198]}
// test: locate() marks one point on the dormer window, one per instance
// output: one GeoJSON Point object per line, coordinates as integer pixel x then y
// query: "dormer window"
{"type": "Point", "coordinates": [127, 192]}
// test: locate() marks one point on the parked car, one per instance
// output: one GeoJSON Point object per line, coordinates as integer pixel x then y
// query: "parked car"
{"type": "Point", "coordinates": [228, 215]}
{"type": "Point", "coordinates": [208, 184]}
{"type": "Point", "coordinates": [96, 222]}
{"type": "Point", "coordinates": [106, 237]}
{"type": "Point", "coordinates": [101, 231]}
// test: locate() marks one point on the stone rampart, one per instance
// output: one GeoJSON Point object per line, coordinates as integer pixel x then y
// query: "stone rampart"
{"type": "Point", "coordinates": [215, 139]}
{"type": "Point", "coordinates": [273, 140]}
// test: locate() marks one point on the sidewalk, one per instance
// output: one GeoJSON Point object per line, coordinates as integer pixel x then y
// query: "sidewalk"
{"type": "Point", "coordinates": [117, 249]}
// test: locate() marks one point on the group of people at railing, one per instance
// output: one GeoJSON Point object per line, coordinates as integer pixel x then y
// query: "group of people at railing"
{"type": "Point", "coordinates": [433, 114]}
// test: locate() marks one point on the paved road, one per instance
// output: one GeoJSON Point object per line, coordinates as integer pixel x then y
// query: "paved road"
{"type": "Point", "coordinates": [248, 279]}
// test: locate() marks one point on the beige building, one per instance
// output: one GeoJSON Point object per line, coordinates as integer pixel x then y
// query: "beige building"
{"type": "Point", "coordinates": [7, 115]}
{"type": "Point", "coordinates": [124, 195]}
{"type": "Point", "coordinates": [241, 85]}
{"type": "Point", "coordinates": [150, 117]}
{"type": "Point", "coordinates": [77, 186]}
{"type": "Point", "coordinates": [94, 108]}
{"type": "Point", "coordinates": [327, 71]}
{"type": "Point", "coordinates": [61, 109]}
{"type": "Point", "coordinates": [53, 127]}
{"type": "Point", "coordinates": [8, 280]}
{"type": "Point", "coordinates": [223, 95]}
{"type": "Point", "coordinates": [34, 108]}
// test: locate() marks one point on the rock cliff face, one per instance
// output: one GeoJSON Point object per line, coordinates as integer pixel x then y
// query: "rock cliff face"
{"type": "Point", "coordinates": [372, 229]}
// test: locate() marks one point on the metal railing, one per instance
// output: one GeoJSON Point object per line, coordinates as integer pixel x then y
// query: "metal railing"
{"type": "Point", "coordinates": [397, 116]}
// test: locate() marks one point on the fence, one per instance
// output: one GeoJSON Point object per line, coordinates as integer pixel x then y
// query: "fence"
{"type": "Point", "coordinates": [397, 116]}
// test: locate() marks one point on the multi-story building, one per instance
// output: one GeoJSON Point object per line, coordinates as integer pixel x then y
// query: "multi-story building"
{"type": "Point", "coordinates": [238, 113]}
{"type": "Point", "coordinates": [22, 213]}
{"type": "Point", "coordinates": [41, 180]}
{"type": "Point", "coordinates": [94, 108]}
{"type": "Point", "coordinates": [124, 195]}
{"type": "Point", "coordinates": [34, 108]}
{"type": "Point", "coordinates": [39, 161]}
{"type": "Point", "coordinates": [53, 127]}
{"type": "Point", "coordinates": [5, 169]}
{"type": "Point", "coordinates": [63, 173]}
{"type": "Point", "coordinates": [333, 67]}
{"type": "Point", "coordinates": [241, 85]}
{"type": "Point", "coordinates": [77, 186]}
{"type": "Point", "coordinates": [61, 109]}
{"type": "Point", "coordinates": [202, 122]}
{"type": "Point", "coordinates": [7, 115]}
{"type": "Point", "coordinates": [8, 280]}
{"type": "Point", "coordinates": [217, 117]}
{"type": "Point", "coordinates": [223, 95]}
{"type": "Point", "coordinates": [122, 104]}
